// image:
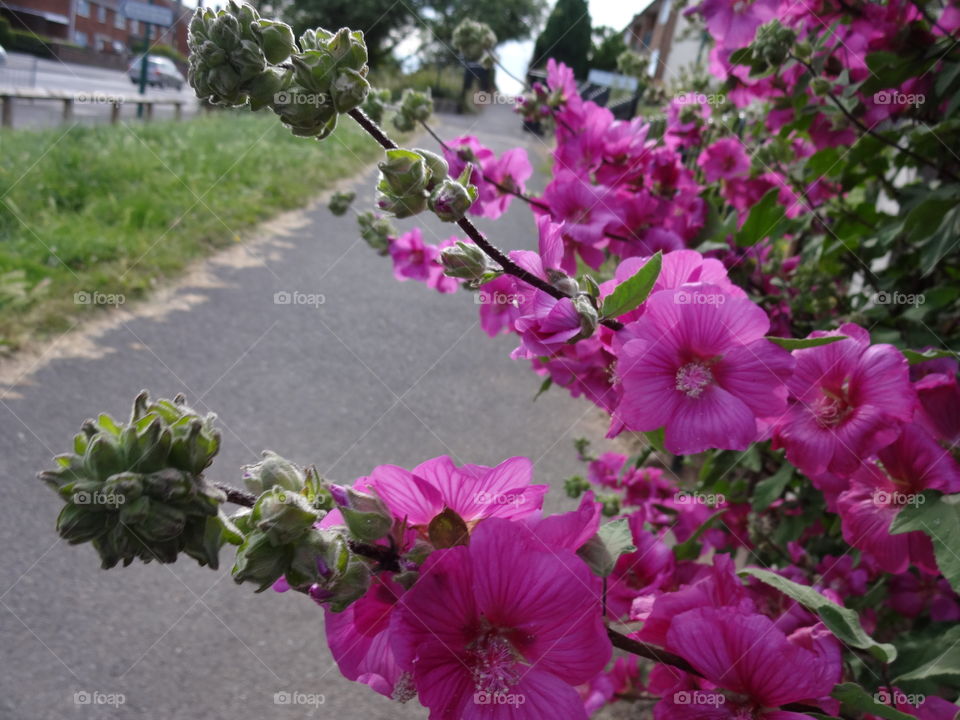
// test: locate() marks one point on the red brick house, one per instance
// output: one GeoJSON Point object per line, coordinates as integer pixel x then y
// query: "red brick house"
{"type": "Point", "coordinates": [99, 25]}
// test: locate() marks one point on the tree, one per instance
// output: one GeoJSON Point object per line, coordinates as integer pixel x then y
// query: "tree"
{"type": "Point", "coordinates": [607, 45]}
{"type": "Point", "coordinates": [509, 20]}
{"type": "Point", "coordinates": [566, 38]}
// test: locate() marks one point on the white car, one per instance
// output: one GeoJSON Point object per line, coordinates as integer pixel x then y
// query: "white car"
{"type": "Point", "coordinates": [161, 72]}
{"type": "Point", "coordinates": [3, 56]}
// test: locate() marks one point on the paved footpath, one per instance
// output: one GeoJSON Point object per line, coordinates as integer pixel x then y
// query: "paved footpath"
{"type": "Point", "coordinates": [382, 372]}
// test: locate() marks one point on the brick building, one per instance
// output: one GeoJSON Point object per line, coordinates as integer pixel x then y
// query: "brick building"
{"type": "Point", "coordinates": [98, 25]}
{"type": "Point", "coordinates": [663, 34]}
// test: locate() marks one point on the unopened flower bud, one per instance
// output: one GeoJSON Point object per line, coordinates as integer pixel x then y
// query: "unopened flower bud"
{"type": "Point", "coordinates": [589, 318]}
{"type": "Point", "coordinates": [340, 202]}
{"type": "Point", "coordinates": [276, 40]}
{"type": "Point", "coordinates": [465, 261]}
{"type": "Point", "coordinates": [450, 200]}
{"type": "Point", "coordinates": [273, 471]}
{"type": "Point", "coordinates": [404, 171]}
{"type": "Point", "coordinates": [283, 515]}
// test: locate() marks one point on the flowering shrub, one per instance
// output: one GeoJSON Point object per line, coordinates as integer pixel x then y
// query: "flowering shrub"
{"type": "Point", "coordinates": [762, 294]}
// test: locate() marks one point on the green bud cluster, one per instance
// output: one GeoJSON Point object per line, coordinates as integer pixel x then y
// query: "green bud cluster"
{"type": "Point", "coordinates": [376, 231]}
{"type": "Point", "coordinates": [772, 45]}
{"type": "Point", "coordinates": [280, 537]}
{"type": "Point", "coordinates": [465, 261]}
{"type": "Point", "coordinates": [340, 202]}
{"type": "Point", "coordinates": [475, 41]}
{"type": "Point", "coordinates": [413, 180]}
{"type": "Point", "coordinates": [414, 107]}
{"type": "Point", "coordinates": [231, 54]}
{"type": "Point", "coordinates": [376, 104]}
{"type": "Point", "coordinates": [136, 490]}
{"type": "Point", "coordinates": [236, 56]}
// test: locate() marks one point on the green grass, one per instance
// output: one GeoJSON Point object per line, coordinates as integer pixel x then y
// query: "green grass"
{"type": "Point", "coordinates": [113, 209]}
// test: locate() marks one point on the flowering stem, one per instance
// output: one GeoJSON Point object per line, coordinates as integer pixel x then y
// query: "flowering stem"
{"type": "Point", "coordinates": [882, 138]}
{"type": "Point", "coordinates": [237, 496]}
{"type": "Point", "coordinates": [650, 652]}
{"type": "Point", "coordinates": [506, 264]}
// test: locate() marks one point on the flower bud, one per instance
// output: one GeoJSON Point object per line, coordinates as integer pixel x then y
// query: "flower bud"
{"type": "Point", "coordinates": [589, 318]}
{"type": "Point", "coordinates": [283, 515]}
{"type": "Point", "coordinates": [276, 40]}
{"type": "Point", "coordinates": [450, 200]}
{"type": "Point", "coordinates": [405, 172]}
{"type": "Point", "coordinates": [563, 282]}
{"type": "Point", "coordinates": [436, 166]}
{"type": "Point", "coordinates": [465, 261]}
{"type": "Point", "coordinates": [273, 471]}
{"type": "Point", "coordinates": [376, 231]}
{"type": "Point", "coordinates": [340, 202]}
{"type": "Point", "coordinates": [349, 90]}
{"type": "Point", "coordinates": [259, 560]}
{"type": "Point", "coordinates": [475, 40]}
{"type": "Point", "coordinates": [365, 515]}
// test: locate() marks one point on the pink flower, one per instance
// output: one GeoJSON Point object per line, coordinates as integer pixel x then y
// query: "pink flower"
{"type": "Point", "coordinates": [939, 410]}
{"type": "Point", "coordinates": [511, 171]}
{"type": "Point", "coordinates": [586, 210]}
{"type": "Point", "coordinates": [413, 259]}
{"type": "Point", "coordinates": [748, 655]}
{"type": "Point", "coordinates": [733, 23]}
{"type": "Point", "coordinates": [474, 492]}
{"type": "Point", "coordinates": [499, 303]}
{"type": "Point", "coordinates": [701, 368]}
{"type": "Point", "coordinates": [848, 400]}
{"type": "Point", "coordinates": [503, 625]}
{"type": "Point", "coordinates": [547, 326]}
{"type": "Point", "coordinates": [912, 464]}
{"type": "Point", "coordinates": [725, 159]}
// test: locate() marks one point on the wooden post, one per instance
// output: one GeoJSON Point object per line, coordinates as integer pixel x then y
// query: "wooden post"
{"type": "Point", "coordinates": [7, 110]}
{"type": "Point", "coordinates": [178, 111]}
{"type": "Point", "coordinates": [149, 111]}
{"type": "Point", "coordinates": [115, 112]}
{"type": "Point", "coordinates": [67, 109]}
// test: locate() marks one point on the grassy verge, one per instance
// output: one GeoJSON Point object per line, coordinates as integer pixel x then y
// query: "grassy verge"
{"type": "Point", "coordinates": [113, 209]}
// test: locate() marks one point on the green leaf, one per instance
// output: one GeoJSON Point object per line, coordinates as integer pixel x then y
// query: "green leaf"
{"type": "Point", "coordinates": [937, 516]}
{"type": "Point", "coordinates": [944, 665]}
{"type": "Point", "coordinates": [690, 548]}
{"type": "Point", "coordinates": [602, 551]}
{"type": "Point", "coordinates": [655, 438]}
{"type": "Point", "coordinates": [856, 698]}
{"type": "Point", "coordinates": [632, 292]}
{"type": "Point", "coordinates": [544, 386]}
{"type": "Point", "coordinates": [916, 356]}
{"type": "Point", "coordinates": [841, 621]}
{"type": "Point", "coordinates": [803, 343]}
{"type": "Point", "coordinates": [765, 219]}
{"type": "Point", "coordinates": [769, 489]}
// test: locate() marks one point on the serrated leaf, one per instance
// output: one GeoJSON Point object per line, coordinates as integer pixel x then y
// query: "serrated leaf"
{"type": "Point", "coordinates": [841, 621]}
{"type": "Point", "coordinates": [856, 698]}
{"type": "Point", "coordinates": [938, 517]}
{"type": "Point", "coordinates": [631, 293]}
{"type": "Point", "coordinates": [803, 343]}
{"type": "Point", "coordinates": [602, 551]}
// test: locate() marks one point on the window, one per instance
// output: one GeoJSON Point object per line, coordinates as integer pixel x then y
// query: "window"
{"type": "Point", "coordinates": [83, 8]}
{"type": "Point", "coordinates": [80, 38]}
{"type": "Point", "coordinates": [101, 14]}
{"type": "Point", "coordinates": [119, 21]}
{"type": "Point", "coordinates": [134, 27]}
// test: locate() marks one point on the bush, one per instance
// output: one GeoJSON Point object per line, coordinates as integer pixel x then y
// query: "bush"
{"type": "Point", "coordinates": [27, 42]}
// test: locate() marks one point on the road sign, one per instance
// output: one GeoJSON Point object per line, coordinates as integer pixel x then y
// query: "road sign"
{"type": "Point", "coordinates": [152, 14]}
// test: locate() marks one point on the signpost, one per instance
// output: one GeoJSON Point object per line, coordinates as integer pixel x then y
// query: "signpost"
{"type": "Point", "coordinates": [149, 14]}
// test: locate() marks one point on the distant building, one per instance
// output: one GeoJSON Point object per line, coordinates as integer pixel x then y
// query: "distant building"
{"type": "Point", "coordinates": [98, 25]}
{"type": "Point", "coordinates": [663, 34]}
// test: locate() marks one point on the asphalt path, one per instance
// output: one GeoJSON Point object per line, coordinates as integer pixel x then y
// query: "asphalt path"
{"type": "Point", "coordinates": [380, 372]}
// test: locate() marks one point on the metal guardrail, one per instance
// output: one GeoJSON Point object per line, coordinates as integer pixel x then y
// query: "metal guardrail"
{"type": "Point", "coordinates": [70, 99]}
